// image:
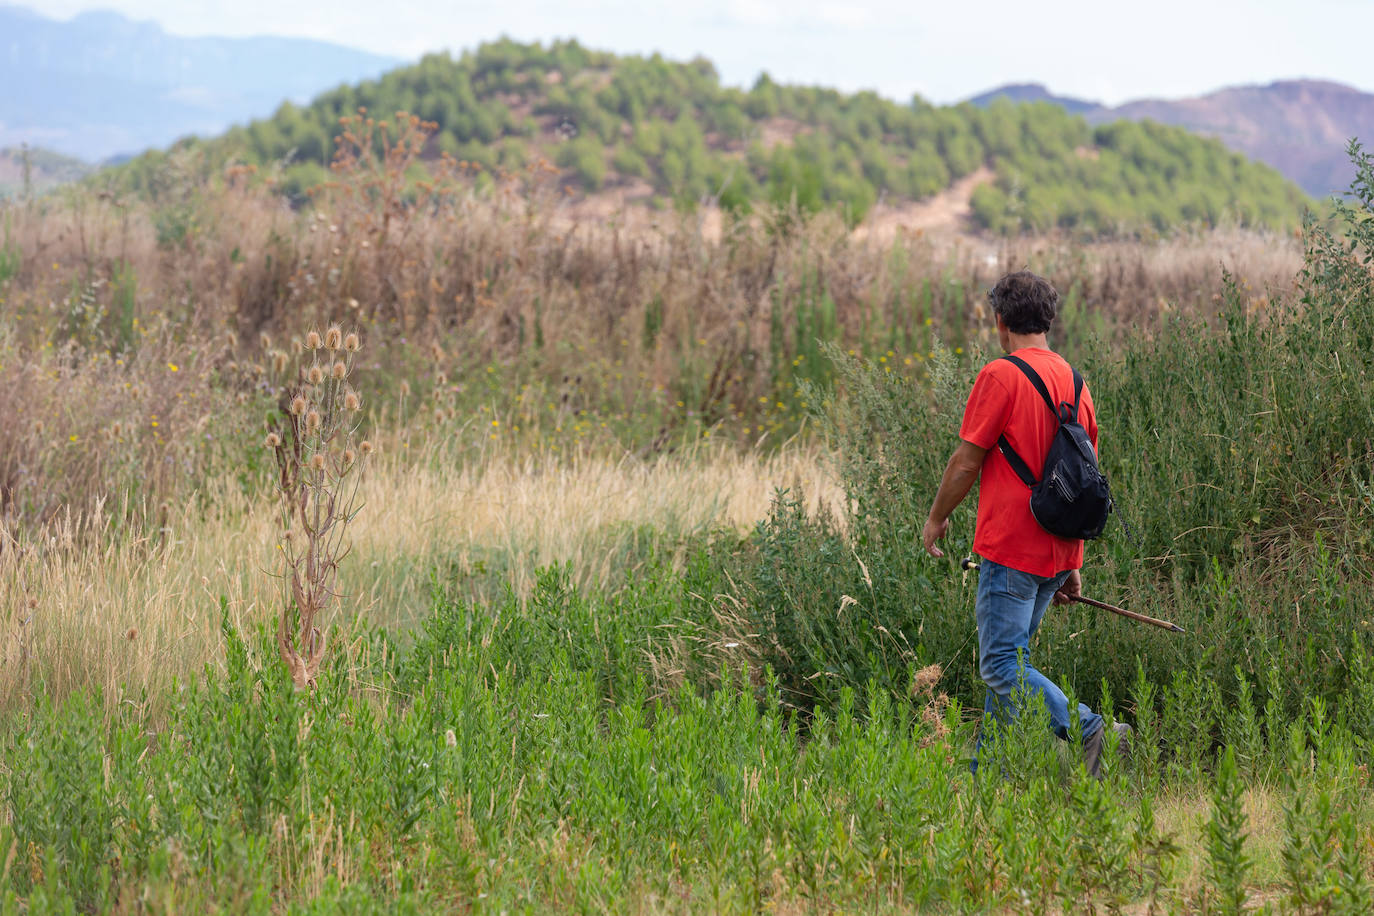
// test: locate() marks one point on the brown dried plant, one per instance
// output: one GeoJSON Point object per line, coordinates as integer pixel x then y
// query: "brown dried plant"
{"type": "Point", "coordinates": [319, 455]}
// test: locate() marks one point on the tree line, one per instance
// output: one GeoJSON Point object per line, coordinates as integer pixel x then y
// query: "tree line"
{"type": "Point", "coordinates": [605, 119]}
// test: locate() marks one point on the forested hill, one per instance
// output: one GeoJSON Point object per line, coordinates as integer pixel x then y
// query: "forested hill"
{"type": "Point", "coordinates": [1300, 127]}
{"type": "Point", "coordinates": [671, 134]}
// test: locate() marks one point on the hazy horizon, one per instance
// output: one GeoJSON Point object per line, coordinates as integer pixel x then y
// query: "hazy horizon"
{"type": "Point", "coordinates": [1076, 49]}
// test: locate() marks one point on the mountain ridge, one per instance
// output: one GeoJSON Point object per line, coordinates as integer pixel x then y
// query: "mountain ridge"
{"type": "Point", "coordinates": [1299, 126]}
{"type": "Point", "coordinates": [101, 84]}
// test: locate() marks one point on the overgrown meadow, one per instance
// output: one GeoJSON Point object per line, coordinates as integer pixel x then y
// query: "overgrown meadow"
{"type": "Point", "coordinates": [634, 615]}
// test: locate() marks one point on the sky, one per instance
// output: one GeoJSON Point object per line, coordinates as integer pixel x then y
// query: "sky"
{"type": "Point", "coordinates": [947, 51]}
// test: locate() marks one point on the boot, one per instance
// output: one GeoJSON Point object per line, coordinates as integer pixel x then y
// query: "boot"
{"type": "Point", "coordinates": [1093, 747]}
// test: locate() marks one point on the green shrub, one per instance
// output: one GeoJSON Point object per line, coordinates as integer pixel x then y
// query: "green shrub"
{"type": "Point", "coordinates": [584, 157]}
{"type": "Point", "coordinates": [1239, 455]}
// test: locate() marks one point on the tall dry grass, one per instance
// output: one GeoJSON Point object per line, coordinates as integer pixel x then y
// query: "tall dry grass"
{"type": "Point", "coordinates": [127, 614]}
{"type": "Point", "coordinates": [134, 335]}
{"type": "Point", "coordinates": [497, 262]}
{"type": "Point", "coordinates": [102, 294]}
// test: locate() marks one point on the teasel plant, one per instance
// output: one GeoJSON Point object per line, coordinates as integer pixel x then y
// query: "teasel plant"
{"type": "Point", "coordinates": [320, 452]}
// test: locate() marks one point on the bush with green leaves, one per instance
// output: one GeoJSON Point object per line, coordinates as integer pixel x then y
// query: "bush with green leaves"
{"type": "Point", "coordinates": [1240, 456]}
{"type": "Point", "coordinates": [513, 758]}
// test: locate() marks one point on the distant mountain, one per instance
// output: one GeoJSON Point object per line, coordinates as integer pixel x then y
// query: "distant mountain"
{"type": "Point", "coordinates": [1033, 92]}
{"type": "Point", "coordinates": [101, 85]}
{"type": "Point", "coordinates": [1299, 127]}
{"type": "Point", "coordinates": [39, 169]}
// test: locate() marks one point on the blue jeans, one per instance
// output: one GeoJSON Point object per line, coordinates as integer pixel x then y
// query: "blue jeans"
{"type": "Point", "coordinates": [1010, 605]}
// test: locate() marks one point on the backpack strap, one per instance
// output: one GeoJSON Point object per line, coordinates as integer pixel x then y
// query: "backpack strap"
{"type": "Point", "coordinates": [1019, 466]}
{"type": "Point", "coordinates": [1077, 398]}
{"type": "Point", "coordinates": [1015, 461]}
{"type": "Point", "coordinates": [1039, 384]}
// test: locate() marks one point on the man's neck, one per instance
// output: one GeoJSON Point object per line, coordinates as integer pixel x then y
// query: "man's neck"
{"type": "Point", "coordinates": [1021, 341]}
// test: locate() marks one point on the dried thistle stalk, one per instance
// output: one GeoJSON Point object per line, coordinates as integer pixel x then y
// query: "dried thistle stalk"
{"type": "Point", "coordinates": [316, 445]}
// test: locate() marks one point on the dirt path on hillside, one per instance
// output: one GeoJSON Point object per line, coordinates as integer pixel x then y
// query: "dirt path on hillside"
{"type": "Point", "coordinates": [948, 212]}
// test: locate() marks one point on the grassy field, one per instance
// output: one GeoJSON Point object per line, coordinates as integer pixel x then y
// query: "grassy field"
{"type": "Point", "coordinates": [634, 616]}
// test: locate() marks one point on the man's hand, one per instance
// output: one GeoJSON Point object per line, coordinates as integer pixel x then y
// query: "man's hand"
{"type": "Point", "coordinates": [931, 533]}
{"type": "Point", "coordinates": [1071, 589]}
{"type": "Point", "coordinates": [959, 477]}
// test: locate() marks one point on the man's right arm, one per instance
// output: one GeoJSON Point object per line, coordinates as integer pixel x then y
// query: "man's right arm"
{"type": "Point", "coordinates": [960, 474]}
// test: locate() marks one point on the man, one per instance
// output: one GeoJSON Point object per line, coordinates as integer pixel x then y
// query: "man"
{"type": "Point", "coordinates": [1024, 567]}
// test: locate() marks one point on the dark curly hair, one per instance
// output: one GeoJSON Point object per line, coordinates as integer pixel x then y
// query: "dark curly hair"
{"type": "Point", "coordinates": [1025, 302]}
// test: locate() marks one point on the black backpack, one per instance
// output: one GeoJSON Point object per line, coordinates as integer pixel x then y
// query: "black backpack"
{"type": "Point", "coordinates": [1072, 498]}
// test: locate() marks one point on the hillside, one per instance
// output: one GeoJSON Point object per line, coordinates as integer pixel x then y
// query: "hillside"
{"type": "Point", "coordinates": [1300, 127]}
{"type": "Point", "coordinates": [99, 84]}
{"type": "Point", "coordinates": [40, 169]}
{"type": "Point", "coordinates": [666, 133]}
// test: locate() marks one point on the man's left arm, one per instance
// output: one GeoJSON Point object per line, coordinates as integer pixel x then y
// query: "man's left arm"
{"type": "Point", "coordinates": [960, 474]}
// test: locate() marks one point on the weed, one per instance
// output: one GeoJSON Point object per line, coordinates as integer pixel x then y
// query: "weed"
{"type": "Point", "coordinates": [319, 459]}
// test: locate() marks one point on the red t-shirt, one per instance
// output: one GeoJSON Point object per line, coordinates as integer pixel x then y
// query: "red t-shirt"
{"type": "Point", "coordinates": [1004, 402]}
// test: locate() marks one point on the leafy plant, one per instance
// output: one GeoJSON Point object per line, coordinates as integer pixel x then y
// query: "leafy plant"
{"type": "Point", "coordinates": [1227, 863]}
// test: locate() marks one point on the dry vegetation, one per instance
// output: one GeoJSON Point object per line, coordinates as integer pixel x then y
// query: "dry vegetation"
{"type": "Point", "coordinates": [138, 338]}
{"type": "Point", "coordinates": [129, 324]}
{"type": "Point", "coordinates": [127, 614]}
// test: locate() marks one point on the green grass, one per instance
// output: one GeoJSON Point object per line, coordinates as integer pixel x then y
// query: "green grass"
{"type": "Point", "coordinates": [514, 759]}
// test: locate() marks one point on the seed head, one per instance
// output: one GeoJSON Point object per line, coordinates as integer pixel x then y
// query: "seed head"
{"type": "Point", "coordinates": [312, 420]}
{"type": "Point", "coordinates": [272, 440]}
{"type": "Point", "coordinates": [436, 351]}
{"type": "Point", "coordinates": [339, 370]}
{"type": "Point", "coordinates": [450, 738]}
{"type": "Point", "coordinates": [365, 447]}
{"type": "Point", "coordinates": [312, 340]}
{"type": "Point", "coordinates": [279, 363]}
{"type": "Point", "coordinates": [333, 338]}
{"type": "Point", "coordinates": [296, 346]}
{"type": "Point", "coordinates": [352, 344]}
{"type": "Point", "coordinates": [351, 401]}
{"type": "Point", "coordinates": [405, 388]}
{"type": "Point", "coordinates": [264, 341]}
{"type": "Point", "coordinates": [317, 461]}
{"type": "Point", "coordinates": [349, 456]}
{"type": "Point", "coordinates": [297, 405]}
{"type": "Point", "coordinates": [316, 375]}
{"type": "Point", "coordinates": [231, 340]}
{"type": "Point", "coordinates": [132, 634]}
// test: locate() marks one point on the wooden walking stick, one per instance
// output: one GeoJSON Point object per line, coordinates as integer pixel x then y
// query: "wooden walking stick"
{"type": "Point", "coordinates": [1154, 621]}
{"type": "Point", "coordinates": [968, 563]}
